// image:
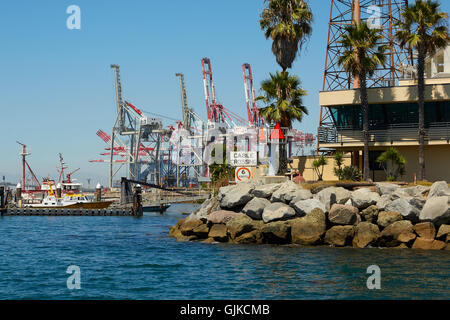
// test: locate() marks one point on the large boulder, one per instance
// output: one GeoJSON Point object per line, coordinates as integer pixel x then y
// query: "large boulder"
{"type": "Point", "coordinates": [265, 190]}
{"type": "Point", "coordinates": [339, 236]}
{"type": "Point", "coordinates": [364, 197]}
{"type": "Point", "coordinates": [277, 232]}
{"type": "Point", "coordinates": [385, 218]}
{"type": "Point", "coordinates": [428, 244]}
{"type": "Point", "coordinates": [443, 232]}
{"type": "Point", "coordinates": [218, 232]}
{"type": "Point", "coordinates": [425, 230]}
{"type": "Point", "coordinates": [439, 189]}
{"type": "Point", "coordinates": [436, 210]}
{"type": "Point", "coordinates": [254, 236]}
{"type": "Point", "coordinates": [402, 205]}
{"type": "Point", "coordinates": [385, 199]}
{"type": "Point", "coordinates": [416, 191]}
{"type": "Point", "coordinates": [406, 237]}
{"type": "Point", "coordinates": [208, 206]}
{"type": "Point", "coordinates": [222, 216]}
{"type": "Point", "coordinates": [332, 195]}
{"type": "Point", "coordinates": [370, 214]}
{"type": "Point", "coordinates": [187, 228]}
{"type": "Point", "coordinates": [342, 214]}
{"type": "Point", "coordinates": [288, 191]}
{"type": "Point", "coordinates": [237, 196]}
{"type": "Point", "coordinates": [386, 188]}
{"type": "Point", "coordinates": [240, 225]}
{"type": "Point", "coordinates": [201, 231]}
{"type": "Point", "coordinates": [277, 211]}
{"type": "Point", "coordinates": [255, 207]}
{"type": "Point", "coordinates": [223, 191]}
{"type": "Point", "coordinates": [395, 229]}
{"type": "Point", "coordinates": [303, 207]}
{"type": "Point", "coordinates": [366, 233]}
{"type": "Point", "coordinates": [308, 230]}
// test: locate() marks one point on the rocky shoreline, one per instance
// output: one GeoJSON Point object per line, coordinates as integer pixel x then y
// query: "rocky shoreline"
{"type": "Point", "coordinates": [386, 215]}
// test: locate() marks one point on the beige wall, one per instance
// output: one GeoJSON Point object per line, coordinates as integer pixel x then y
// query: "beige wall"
{"type": "Point", "coordinates": [384, 95]}
{"type": "Point", "coordinates": [304, 165]}
{"type": "Point", "coordinates": [437, 162]}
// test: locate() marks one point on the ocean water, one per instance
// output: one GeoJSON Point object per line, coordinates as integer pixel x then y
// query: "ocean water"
{"type": "Point", "coordinates": [134, 258]}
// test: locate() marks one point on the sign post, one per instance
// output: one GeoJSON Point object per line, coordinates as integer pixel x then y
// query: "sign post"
{"type": "Point", "coordinates": [243, 174]}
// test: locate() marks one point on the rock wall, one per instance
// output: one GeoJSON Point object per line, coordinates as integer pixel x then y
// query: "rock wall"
{"type": "Point", "coordinates": [388, 215]}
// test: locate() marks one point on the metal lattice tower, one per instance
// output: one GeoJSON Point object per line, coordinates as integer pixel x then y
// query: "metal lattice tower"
{"type": "Point", "coordinates": [384, 14]}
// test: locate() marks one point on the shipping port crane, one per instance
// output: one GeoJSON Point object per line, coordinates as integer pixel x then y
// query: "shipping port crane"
{"type": "Point", "coordinates": [215, 111]}
{"type": "Point", "coordinates": [188, 117]}
{"type": "Point", "coordinates": [254, 118]}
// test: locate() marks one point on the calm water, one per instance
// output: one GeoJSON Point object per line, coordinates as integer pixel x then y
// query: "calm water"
{"type": "Point", "coordinates": [134, 258]}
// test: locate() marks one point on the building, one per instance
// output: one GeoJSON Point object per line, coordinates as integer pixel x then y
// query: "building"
{"type": "Point", "coordinates": [393, 122]}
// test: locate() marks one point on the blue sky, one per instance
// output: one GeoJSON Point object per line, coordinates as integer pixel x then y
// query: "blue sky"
{"type": "Point", "coordinates": [57, 88]}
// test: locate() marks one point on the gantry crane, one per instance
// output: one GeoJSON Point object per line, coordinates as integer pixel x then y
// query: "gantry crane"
{"type": "Point", "coordinates": [254, 118]}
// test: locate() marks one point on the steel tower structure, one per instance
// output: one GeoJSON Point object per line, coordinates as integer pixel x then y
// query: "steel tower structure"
{"type": "Point", "coordinates": [254, 119]}
{"type": "Point", "coordinates": [382, 14]}
{"type": "Point", "coordinates": [131, 129]}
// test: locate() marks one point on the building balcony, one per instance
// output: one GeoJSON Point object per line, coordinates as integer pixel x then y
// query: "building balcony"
{"type": "Point", "coordinates": [395, 135]}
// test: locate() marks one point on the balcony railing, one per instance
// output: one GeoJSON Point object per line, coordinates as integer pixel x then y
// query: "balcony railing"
{"type": "Point", "coordinates": [407, 132]}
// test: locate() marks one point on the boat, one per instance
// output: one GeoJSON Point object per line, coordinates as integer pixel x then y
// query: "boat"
{"type": "Point", "coordinates": [69, 201]}
{"type": "Point", "coordinates": [156, 208]}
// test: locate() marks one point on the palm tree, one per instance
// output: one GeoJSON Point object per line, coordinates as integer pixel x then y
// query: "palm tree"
{"type": "Point", "coordinates": [283, 99]}
{"type": "Point", "coordinates": [288, 24]}
{"type": "Point", "coordinates": [424, 28]}
{"type": "Point", "coordinates": [360, 58]}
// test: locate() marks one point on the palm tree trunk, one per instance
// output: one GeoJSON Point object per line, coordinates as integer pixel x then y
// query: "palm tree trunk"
{"type": "Point", "coordinates": [421, 95]}
{"type": "Point", "coordinates": [283, 155]}
{"type": "Point", "coordinates": [365, 123]}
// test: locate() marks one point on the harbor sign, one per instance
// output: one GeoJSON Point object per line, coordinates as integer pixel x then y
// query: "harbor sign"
{"type": "Point", "coordinates": [242, 174]}
{"type": "Point", "coordinates": [243, 158]}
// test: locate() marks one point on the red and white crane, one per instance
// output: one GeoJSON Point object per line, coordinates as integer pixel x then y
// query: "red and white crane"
{"type": "Point", "coordinates": [254, 118]}
{"type": "Point", "coordinates": [214, 110]}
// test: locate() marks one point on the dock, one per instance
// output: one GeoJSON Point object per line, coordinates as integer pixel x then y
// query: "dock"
{"type": "Point", "coordinates": [69, 212]}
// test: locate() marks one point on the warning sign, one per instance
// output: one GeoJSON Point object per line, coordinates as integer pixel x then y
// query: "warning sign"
{"type": "Point", "coordinates": [243, 174]}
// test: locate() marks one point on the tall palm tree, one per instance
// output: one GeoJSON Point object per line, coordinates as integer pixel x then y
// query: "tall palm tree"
{"type": "Point", "coordinates": [288, 24]}
{"type": "Point", "coordinates": [283, 99]}
{"type": "Point", "coordinates": [423, 27]}
{"type": "Point", "coordinates": [360, 58]}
